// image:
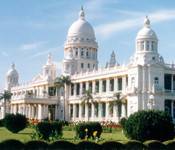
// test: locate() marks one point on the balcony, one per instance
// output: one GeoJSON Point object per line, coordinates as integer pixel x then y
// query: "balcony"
{"type": "Point", "coordinates": [34, 99]}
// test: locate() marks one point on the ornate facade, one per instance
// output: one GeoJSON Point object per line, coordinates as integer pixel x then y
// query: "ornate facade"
{"type": "Point", "coordinates": [146, 82]}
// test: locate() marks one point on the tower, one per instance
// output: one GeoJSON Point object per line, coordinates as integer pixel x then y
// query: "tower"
{"type": "Point", "coordinates": [12, 77]}
{"type": "Point", "coordinates": [49, 69]}
{"type": "Point", "coordinates": [80, 50]}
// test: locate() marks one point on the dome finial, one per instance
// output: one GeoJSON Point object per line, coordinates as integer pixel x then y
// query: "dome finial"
{"type": "Point", "coordinates": [81, 13]}
{"type": "Point", "coordinates": [13, 66]}
{"type": "Point", "coordinates": [49, 59]}
{"type": "Point", "coordinates": [147, 22]}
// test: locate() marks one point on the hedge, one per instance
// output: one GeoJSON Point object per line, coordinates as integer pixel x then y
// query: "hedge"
{"type": "Point", "coordinates": [11, 145]}
{"type": "Point", "coordinates": [170, 145]}
{"type": "Point", "coordinates": [86, 145]}
{"type": "Point", "coordinates": [36, 145]}
{"type": "Point", "coordinates": [109, 145]}
{"type": "Point", "coordinates": [62, 145]}
{"type": "Point", "coordinates": [112, 145]}
{"type": "Point", "coordinates": [155, 145]}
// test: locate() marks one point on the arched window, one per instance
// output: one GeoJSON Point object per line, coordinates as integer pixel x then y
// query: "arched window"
{"type": "Point", "coordinates": [147, 45]}
{"type": "Point", "coordinates": [82, 53]}
{"type": "Point", "coordinates": [142, 45]}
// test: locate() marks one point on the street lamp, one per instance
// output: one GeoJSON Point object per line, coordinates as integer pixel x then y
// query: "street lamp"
{"type": "Point", "coordinates": [151, 102]}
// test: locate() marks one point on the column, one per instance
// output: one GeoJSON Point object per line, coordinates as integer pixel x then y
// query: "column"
{"type": "Point", "coordinates": [93, 112]}
{"type": "Point", "coordinates": [100, 86]}
{"type": "Point", "coordinates": [123, 114]}
{"type": "Point", "coordinates": [99, 111]}
{"type": "Point", "coordinates": [80, 111]}
{"type": "Point", "coordinates": [115, 84]}
{"type": "Point", "coordinates": [107, 111]}
{"type": "Point", "coordinates": [74, 112]}
{"type": "Point", "coordinates": [107, 85]}
{"type": "Point", "coordinates": [75, 87]}
{"type": "Point", "coordinates": [93, 87]}
{"type": "Point", "coordinates": [124, 83]}
{"type": "Point", "coordinates": [81, 88]}
{"type": "Point", "coordinates": [86, 112]}
{"type": "Point", "coordinates": [87, 85]}
{"type": "Point", "coordinates": [40, 112]}
{"type": "Point", "coordinates": [172, 108]}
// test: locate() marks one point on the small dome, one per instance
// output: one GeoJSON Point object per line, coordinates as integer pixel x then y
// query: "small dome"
{"type": "Point", "coordinates": [12, 72]}
{"type": "Point", "coordinates": [81, 28]}
{"type": "Point", "coordinates": [146, 31]}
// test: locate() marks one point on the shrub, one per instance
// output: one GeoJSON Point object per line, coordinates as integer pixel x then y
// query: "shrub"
{"type": "Point", "coordinates": [154, 145]}
{"type": "Point", "coordinates": [15, 123]}
{"type": "Point", "coordinates": [86, 130]}
{"type": "Point", "coordinates": [56, 129]}
{"type": "Point", "coordinates": [11, 145]}
{"type": "Point", "coordinates": [111, 145]}
{"type": "Point", "coordinates": [122, 122]}
{"type": "Point", "coordinates": [88, 145]}
{"type": "Point", "coordinates": [62, 145]}
{"type": "Point", "coordinates": [147, 125]}
{"type": "Point", "coordinates": [170, 145]}
{"type": "Point", "coordinates": [1, 122]}
{"type": "Point", "coordinates": [45, 130]}
{"type": "Point", "coordinates": [36, 145]}
{"type": "Point", "coordinates": [134, 145]}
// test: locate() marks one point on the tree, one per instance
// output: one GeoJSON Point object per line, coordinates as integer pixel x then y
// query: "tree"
{"type": "Point", "coordinates": [6, 96]}
{"type": "Point", "coordinates": [87, 98]}
{"type": "Point", "coordinates": [117, 100]}
{"type": "Point", "coordinates": [63, 82]}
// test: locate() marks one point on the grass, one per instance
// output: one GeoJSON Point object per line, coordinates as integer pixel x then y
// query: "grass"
{"type": "Point", "coordinates": [25, 135]}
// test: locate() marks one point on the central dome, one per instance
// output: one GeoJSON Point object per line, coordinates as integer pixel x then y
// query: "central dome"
{"type": "Point", "coordinates": [81, 28]}
{"type": "Point", "coordinates": [146, 31]}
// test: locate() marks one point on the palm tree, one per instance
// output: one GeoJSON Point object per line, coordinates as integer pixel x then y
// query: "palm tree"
{"type": "Point", "coordinates": [6, 95]}
{"type": "Point", "coordinates": [117, 100]}
{"type": "Point", "coordinates": [87, 98]}
{"type": "Point", "coordinates": [63, 82]}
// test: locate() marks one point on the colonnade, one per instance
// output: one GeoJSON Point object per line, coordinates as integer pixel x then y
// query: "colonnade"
{"type": "Point", "coordinates": [97, 111]}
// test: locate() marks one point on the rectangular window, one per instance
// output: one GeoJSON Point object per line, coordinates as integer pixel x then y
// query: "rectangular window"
{"type": "Point", "coordinates": [72, 89]}
{"type": "Point", "coordinates": [119, 84]}
{"type": "Point", "coordinates": [142, 45]}
{"type": "Point", "coordinates": [104, 86]}
{"type": "Point", "coordinates": [89, 66]}
{"type": "Point", "coordinates": [167, 82]}
{"type": "Point", "coordinates": [97, 86]}
{"type": "Point", "coordinates": [82, 65]}
{"type": "Point", "coordinates": [111, 85]}
{"type": "Point", "coordinates": [77, 89]}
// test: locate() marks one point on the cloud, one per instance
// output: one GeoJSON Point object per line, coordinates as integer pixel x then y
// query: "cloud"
{"type": "Point", "coordinates": [46, 51]}
{"type": "Point", "coordinates": [31, 46]}
{"type": "Point", "coordinates": [3, 53]}
{"type": "Point", "coordinates": [108, 29]}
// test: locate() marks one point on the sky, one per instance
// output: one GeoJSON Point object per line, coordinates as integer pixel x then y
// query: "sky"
{"type": "Point", "coordinates": [31, 29]}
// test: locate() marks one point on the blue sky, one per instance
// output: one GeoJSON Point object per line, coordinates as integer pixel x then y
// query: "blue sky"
{"type": "Point", "coordinates": [30, 29]}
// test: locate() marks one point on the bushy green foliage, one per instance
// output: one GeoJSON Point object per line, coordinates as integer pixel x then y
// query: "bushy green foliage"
{"type": "Point", "coordinates": [134, 145]}
{"type": "Point", "coordinates": [111, 145]}
{"type": "Point", "coordinates": [86, 145]}
{"type": "Point", "coordinates": [11, 145]}
{"type": "Point", "coordinates": [147, 125]}
{"type": "Point", "coordinates": [15, 123]}
{"type": "Point", "coordinates": [62, 145]}
{"type": "Point", "coordinates": [170, 145]}
{"type": "Point", "coordinates": [122, 122]}
{"type": "Point", "coordinates": [86, 130]}
{"type": "Point", "coordinates": [155, 145]}
{"type": "Point", "coordinates": [1, 122]}
{"type": "Point", "coordinates": [36, 145]}
{"type": "Point", "coordinates": [46, 130]}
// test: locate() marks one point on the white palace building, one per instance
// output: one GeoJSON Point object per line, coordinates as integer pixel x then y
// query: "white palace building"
{"type": "Point", "coordinates": [146, 82]}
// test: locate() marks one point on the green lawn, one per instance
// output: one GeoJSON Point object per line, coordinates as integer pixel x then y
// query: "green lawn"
{"type": "Point", "coordinates": [25, 135]}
